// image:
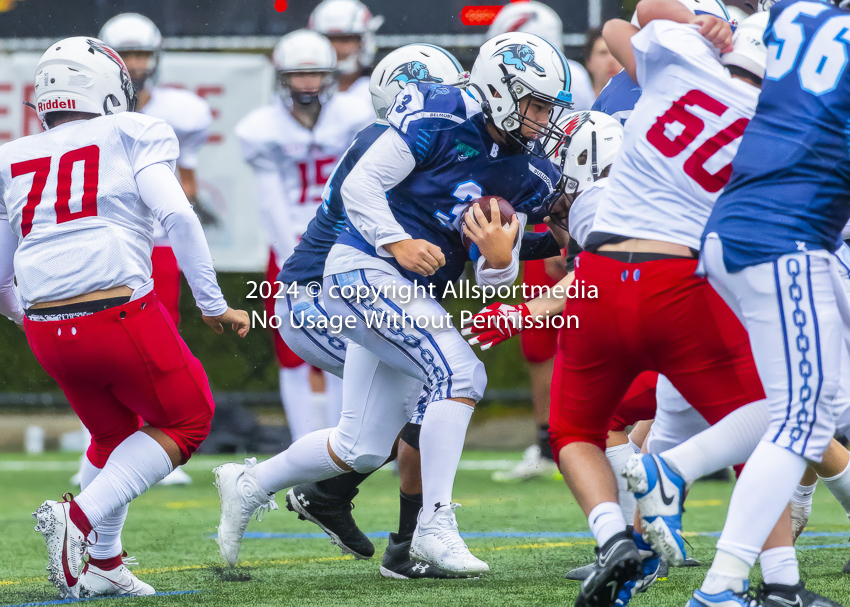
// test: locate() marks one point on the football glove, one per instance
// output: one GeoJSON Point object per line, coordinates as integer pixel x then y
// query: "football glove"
{"type": "Point", "coordinates": [495, 324]}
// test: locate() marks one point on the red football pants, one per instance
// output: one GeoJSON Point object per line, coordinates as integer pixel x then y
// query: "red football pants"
{"type": "Point", "coordinates": [638, 404]}
{"type": "Point", "coordinates": [166, 281]}
{"type": "Point", "coordinates": [649, 316]}
{"type": "Point", "coordinates": [286, 358]}
{"type": "Point", "coordinates": [538, 345]}
{"type": "Point", "coordinates": [122, 366]}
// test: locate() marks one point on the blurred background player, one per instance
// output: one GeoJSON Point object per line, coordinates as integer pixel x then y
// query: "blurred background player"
{"type": "Point", "coordinates": [80, 200]}
{"type": "Point", "coordinates": [350, 27]}
{"type": "Point", "coordinates": [600, 63]}
{"type": "Point", "coordinates": [293, 145]}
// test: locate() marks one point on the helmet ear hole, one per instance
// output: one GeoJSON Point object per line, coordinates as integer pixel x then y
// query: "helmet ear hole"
{"type": "Point", "coordinates": [494, 92]}
{"type": "Point", "coordinates": [582, 158]}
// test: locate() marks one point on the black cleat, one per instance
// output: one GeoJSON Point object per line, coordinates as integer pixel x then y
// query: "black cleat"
{"type": "Point", "coordinates": [398, 565]}
{"type": "Point", "coordinates": [691, 562]}
{"type": "Point", "coordinates": [778, 595]}
{"type": "Point", "coordinates": [580, 574]}
{"type": "Point", "coordinates": [333, 515]}
{"type": "Point", "coordinates": [617, 562]}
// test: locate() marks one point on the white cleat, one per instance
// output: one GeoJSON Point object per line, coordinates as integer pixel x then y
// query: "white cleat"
{"type": "Point", "coordinates": [177, 477]}
{"type": "Point", "coordinates": [241, 495]}
{"type": "Point", "coordinates": [95, 581]}
{"type": "Point", "coordinates": [800, 513]}
{"type": "Point", "coordinates": [438, 542]}
{"type": "Point", "coordinates": [66, 545]}
{"type": "Point", "coordinates": [533, 465]}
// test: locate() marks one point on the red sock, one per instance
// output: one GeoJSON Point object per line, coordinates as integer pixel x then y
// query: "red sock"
{"type": "Point", "coordinates": [107, 564]}
{"type": "Point", "coordinates": [79, 518]}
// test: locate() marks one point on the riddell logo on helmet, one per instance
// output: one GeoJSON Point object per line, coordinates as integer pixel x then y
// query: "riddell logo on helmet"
{"type": "Point", "coordinates": [57, 104]}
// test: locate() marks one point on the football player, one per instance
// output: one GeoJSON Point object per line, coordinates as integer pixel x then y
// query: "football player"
{"type": "Point", "coordinates": [81, 200]}
{"type": "Point", "coordinates": [292, 146]}
{"type": "Point", "coordinates": [467, 145]}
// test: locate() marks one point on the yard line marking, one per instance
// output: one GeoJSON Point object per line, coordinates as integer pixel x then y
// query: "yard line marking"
{"type": "Point", "coordinates": [98, 598]}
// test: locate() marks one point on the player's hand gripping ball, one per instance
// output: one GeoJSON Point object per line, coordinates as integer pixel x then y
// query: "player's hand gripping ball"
{"type": "Point", "coordinates": [484, 233]}
{"type": "Point", "coordinates": [495, 324]}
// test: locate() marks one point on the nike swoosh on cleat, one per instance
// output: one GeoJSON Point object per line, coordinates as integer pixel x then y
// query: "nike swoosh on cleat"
{"type": "Point", "coordinates": [68, 577]}
{"type": "Point", "coordinates": [603, 558]}
{"type": "Point", "coordinates": [664, 498]}
{"type": "Point", "coordinates": [797, 603]}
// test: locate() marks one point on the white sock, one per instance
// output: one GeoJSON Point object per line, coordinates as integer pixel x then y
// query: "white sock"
{"type": "Point", "coordinates": [136, 465]}
{"type": "Point", "coordinates": [617, 457]}
{"type": "Point", "coordinates": [108, 533]}
{"type": "Point", "coordinates": [333, 391]}
{"type": "Point", "coordinates": [306, 461]}
{"type": "Point", "coordinates": [729, 442]}
{"type": "Point", "coordinates": [839, 486]}
{"type": "Point", "coordinates": [606, 521]}
{"type": "Point", "coordinates": [803, 494]}
{"type": "Point", "coordinates": [779, 566]}
{"type": "Point", "coordinates": [727, 572]}
{"type": "Point", "coordinates": [633, 445]}
{"type": "Point", "coordinates": [297, 400]}
{"type": "Point", "coordinates": [440, 445]}
{"type": "Point", "coordinates": [758, 500]}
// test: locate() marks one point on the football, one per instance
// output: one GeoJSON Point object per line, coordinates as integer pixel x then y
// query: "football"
{"type": "Point", "coordinates": [505, 209]}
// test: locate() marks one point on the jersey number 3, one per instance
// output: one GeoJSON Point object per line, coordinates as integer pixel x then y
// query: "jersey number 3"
{"type": "Point", "coordinates": [89, 156]}
{"type": "Point", "coordinates": [693, 126]}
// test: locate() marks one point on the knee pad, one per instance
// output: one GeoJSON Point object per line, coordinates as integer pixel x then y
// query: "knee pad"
{"type": "Point", "coordinates": [410, 434]}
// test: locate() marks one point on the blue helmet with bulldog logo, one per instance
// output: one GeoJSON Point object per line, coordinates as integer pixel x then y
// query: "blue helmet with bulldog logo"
{"type": "Point", "coordinates": [512, 66]}
{"type": "Point", "coordinates": [413, 63]}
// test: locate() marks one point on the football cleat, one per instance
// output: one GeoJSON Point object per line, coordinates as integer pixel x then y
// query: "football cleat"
{"type": "Point", "coordinates": [398, 565]}
{"type": "Point", "coordinates": [438, 542]}
{"type": "Point", "coordinates": [241, 496]}
{"type": "Point", "coordinates": [533, 465]}
{"type": "Point", "coordinates": [579, 574]}
{"type": "Point", "coordinates": [66, 545]}
{"type": "Point", "coordinates": [95, 581]}
{"type": "Point", "coordinates": [779, 595]}
{"type": "Point", "coordinates": [177, 476]}
{"type": "Point", "coordinates": [333, 515]}
{"type": "Point", "coordinates": [617, 563]}
{"type": "Point", "coordinates": [660, 494]}
{"type": "Point", "coordinates": [651, 564]}
{"type": "Point", "coordinates": [727, 598]}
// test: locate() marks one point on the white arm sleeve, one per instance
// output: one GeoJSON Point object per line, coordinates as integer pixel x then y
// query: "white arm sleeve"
{"type": "Point", "coordinates": [384, 165]}
{"type": "Point", "coordinates": [10, 303]}
{"type": "Point", "coordinates": [275, 211]}
{"type": "Point", "coordinates": [161, 192]}
{"type": "Point", "coordinates": [505, 276]}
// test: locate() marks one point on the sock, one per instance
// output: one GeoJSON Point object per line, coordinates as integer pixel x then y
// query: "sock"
{"type": "Point", "coordinates": [134, 466]}
{"type": "Point", "coordinates": [306, 461]}
{"type": "Point", "coordinates": [408, 514]}
{"type": "Point", "coordinates": [727, 572]}
{"type": "Point", "coordinates": [803, 494]}
{"type": "Point", "coordinates": [298, 401]}
{"type": "Point", "coordinates": [779, 566]}
{"type": "Point", "coordinates": [618, 456]}
{"type": "Point", "coordinates": [606, 521]}
{"type": "Point", "coordinates": [759, 499]}
{"type": "Point", "coordinates": [839, 486]}
{"type": "Point", "coordinates": [728, 442]}
{"type": "Point", "coordinates": [543, 442]}
{"type": "Point", "coordinates": [441, 444]}
{"type": "Point", "coordinates": [633, 445]}
{"type": "Point", "coordinates": [108, 533]}
{"type": "Point", "coordinates": [107, 564]}
{"type": "Point", "coordinates": [333, 392]}
{"type": "Point", "coordinates": [343, 485]}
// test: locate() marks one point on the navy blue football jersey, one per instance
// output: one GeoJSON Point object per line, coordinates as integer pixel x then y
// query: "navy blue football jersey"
{"type": "Point", "coordinates": [618, 98]}
{"type": "Point", "coordinates": [307, 262]}
{"type": "Point", "coordinates": [456, 161]}
{"type": "Point", "coordinates": [790, 184]}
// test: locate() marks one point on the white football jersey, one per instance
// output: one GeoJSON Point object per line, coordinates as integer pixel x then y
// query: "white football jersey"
{"type": "Point", "coordinates": [191, 118]}
{"type": "Point", "coordinates": [680, 140]}
{"type": "Point", "coordinates": [583, 211]}
{"type": "Point", "coordinates": [70, 197]}
{"type": "Point", "coordinates": [304, 159]}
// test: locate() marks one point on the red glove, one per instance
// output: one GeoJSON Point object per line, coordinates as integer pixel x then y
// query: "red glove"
{"type": "Point", "coordinates": [495, 323]}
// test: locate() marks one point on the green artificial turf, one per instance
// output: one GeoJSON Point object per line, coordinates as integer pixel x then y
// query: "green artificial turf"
{"type": "Point", "coordinates": [170, 531]}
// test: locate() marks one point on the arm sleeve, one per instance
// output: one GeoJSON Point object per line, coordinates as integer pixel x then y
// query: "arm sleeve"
{"type": "Point", "coordinates": [384, 165]}
{"type": "Point", "coordinates": [504, 276]}
{"type": "Point", "coordinates": [275, 211]}
{"type": "Point", "coordinates": [10, 303]}
{"type": "Point", "coordinates": [161, 192]}
{"type": "Point", "coordinates": [538, 245]}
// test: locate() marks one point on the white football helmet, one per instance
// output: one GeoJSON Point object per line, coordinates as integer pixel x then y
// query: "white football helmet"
{"type": "Point", "coordinates": [304, 51]}
{"type": "Point", "coordinates": [590, 145]}
{"type": "Point", "coordinates": [135, 32]}
{"type": "Point", "coordinates": [508, 68]}
{"type": "Point", "coordinates": [749, 50]}
{"type": "Point", "coordinates": [348, 18]}
{"type": "Point", "coordinates": [531, 18]}
{"type": "Point", "coordinates": [82, 74]}
{"type": "Point", "coordinates": [413, 63]}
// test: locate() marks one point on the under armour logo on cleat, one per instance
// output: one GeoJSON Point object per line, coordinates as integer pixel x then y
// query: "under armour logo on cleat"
{"type": "Point", "coordinates": [437, 506]}
{"type": "Point", "coordinates": [303, 499]}
{"type": "Point", "coordinates": [420, 567]}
